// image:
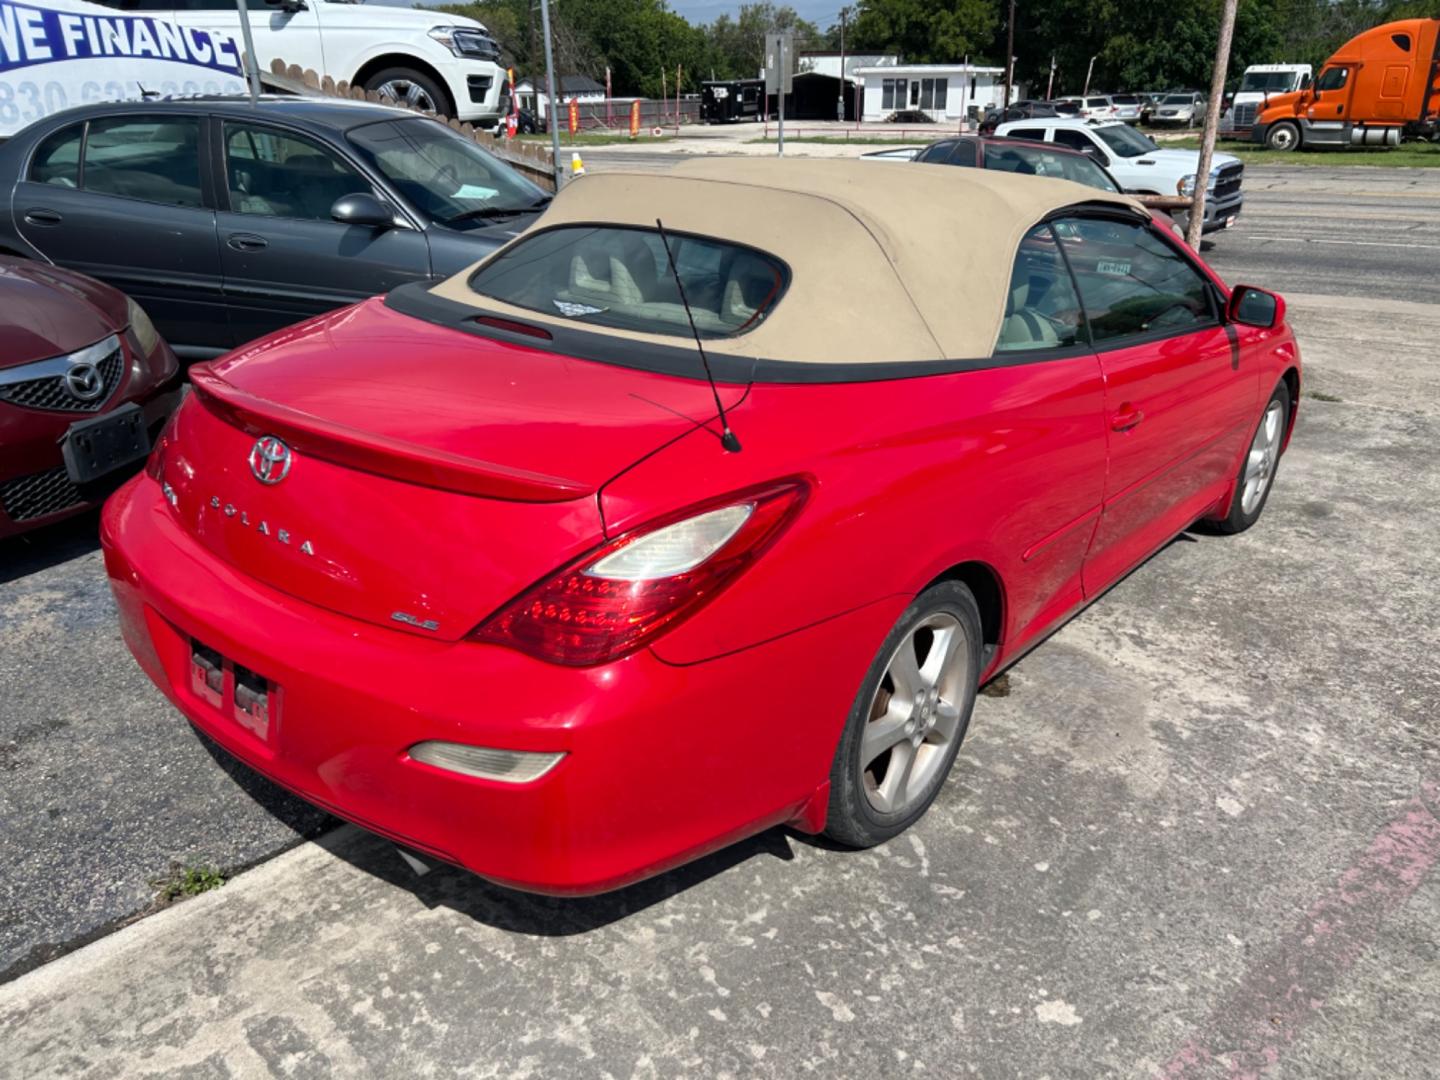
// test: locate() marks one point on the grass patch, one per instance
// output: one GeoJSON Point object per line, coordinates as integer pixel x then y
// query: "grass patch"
{"type": "Point", "coordinates": [1320, 395]}
{"type": "Point", "coordinates": [1404, 156]}
{"type": "Point", "coordinates": [862, 140]}
{"type": "Point", "coordinates": [183, 881]}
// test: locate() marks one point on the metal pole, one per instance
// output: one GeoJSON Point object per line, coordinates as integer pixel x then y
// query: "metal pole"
{"type": "Point", "coordinates": [1088, 72]}
{"type": "Point", "coordinates": [549, 93]}
{"type": "Point", "coordinates": [780, 93]}
{"type": "Point", "coordinates": [1009, 57]}
{"type": "Point", "coordinates": [1050, 86]}
{"type": "Point", "coordinates": [1212, 121]}
{"type": "Point", "coordinates": [840, 99]}
{"type": "Point", "coordinates": [252, 68]}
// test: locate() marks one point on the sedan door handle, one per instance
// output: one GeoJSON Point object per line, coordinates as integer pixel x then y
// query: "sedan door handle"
{"type": "Point", "coordinates": [1126, 418]}
{"type": "Point", "coordinates": [40, 216]}
{"type": "Point", "coordinates": [247, 242]}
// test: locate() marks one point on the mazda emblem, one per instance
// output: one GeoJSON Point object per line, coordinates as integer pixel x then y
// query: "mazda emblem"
{"type": "Point", "coordinates": [84, 382]}
{"type": "Point", "coordinates": [270, 460]}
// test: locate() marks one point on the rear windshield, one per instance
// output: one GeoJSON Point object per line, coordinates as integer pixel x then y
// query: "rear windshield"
{"type": "Point", "coordinates": [1178, 99]}
{"type": "Point", "coordinates": [1125, 99]}
{"type": "Point", "coordinates": [618, 276]}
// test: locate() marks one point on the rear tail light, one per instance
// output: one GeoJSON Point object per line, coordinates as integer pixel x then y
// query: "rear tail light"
{"type": "Point", "coordinates": [615, 600]}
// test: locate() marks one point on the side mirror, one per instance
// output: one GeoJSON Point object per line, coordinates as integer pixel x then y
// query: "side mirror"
{"type": "Point", "coordinates": [1250, 306]}
{"type": "Point", "coordinates": [289, 6]}
{"type": "Point", "coordinates": [362, 209]}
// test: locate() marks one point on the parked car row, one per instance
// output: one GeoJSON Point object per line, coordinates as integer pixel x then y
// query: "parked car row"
{"type": "Point", "coordinates": [622, 466]}
{"type": "Point", "coordinates": [1177, 108]}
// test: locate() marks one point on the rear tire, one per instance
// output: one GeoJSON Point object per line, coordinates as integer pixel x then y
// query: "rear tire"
{"type": "Point", "coordinates": [1283, 136]}
{"type": "Point", "coordinates": [908, 719]}
{"type": "Point", "coordinates": [406, 86]}
{"type": "Point", "coordinates": [1257, 470]}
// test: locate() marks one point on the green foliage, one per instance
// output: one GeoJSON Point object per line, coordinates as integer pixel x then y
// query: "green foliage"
{"type": "Point", "coordinates": [927, 31]}
{"type": "Point", "coordinates": [183, 881]}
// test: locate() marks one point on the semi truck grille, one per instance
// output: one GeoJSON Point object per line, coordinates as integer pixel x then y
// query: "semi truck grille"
{"type": "Point", "coordinates": [33, 496]}
{"type": "Point", "coordinates": [1228, 182]}
{"type": "Point", "coordinates": [1244, 115]}
{"type": "Point", "coordinates": [54, 393]}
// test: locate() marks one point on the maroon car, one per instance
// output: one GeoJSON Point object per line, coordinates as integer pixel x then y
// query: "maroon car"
{"type": "Point", "coordinates": [85, 384]}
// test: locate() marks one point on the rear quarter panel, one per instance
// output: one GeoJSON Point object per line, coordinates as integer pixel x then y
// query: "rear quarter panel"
{"type": "Point", "coordinates": [909, 477]}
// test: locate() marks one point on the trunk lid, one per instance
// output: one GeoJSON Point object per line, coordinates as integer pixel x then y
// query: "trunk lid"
{"type": "Point", "coordinates": [431, 475]}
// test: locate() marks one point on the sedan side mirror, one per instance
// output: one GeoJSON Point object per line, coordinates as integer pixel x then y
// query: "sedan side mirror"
{"type": "Point", "coordinates": [1250, 306]}
{"type": "Point", "coordinates": [362, 209]}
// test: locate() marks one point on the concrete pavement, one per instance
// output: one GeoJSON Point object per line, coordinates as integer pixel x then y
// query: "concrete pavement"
{"type": "Point", "coordinates": [1196, 838]}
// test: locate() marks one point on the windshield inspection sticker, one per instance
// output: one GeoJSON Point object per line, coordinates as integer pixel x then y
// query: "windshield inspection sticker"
{"type": "Point", "coordinates": [475, 191]}
{"type": "Point", "coordinates": [1111, 266]}
{"type": "Point", "coordinates": [574, 311]}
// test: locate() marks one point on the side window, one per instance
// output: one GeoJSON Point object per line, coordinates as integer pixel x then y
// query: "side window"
{"type": "Point", "coordinates": [938, 153]}
{"type": "Point", "coordinates": [1333, 78]}
{"type": "Point", "coordinates": [1131, 281]}
{"type": "Point", "coordinates": [1041, 308]}
{"type": "Point", "coordinates": [1076, 140]}
{"type": "Point", "coordinates": [277, 174]}
{"type": "Point", "coordinates": [1038, 134]}
{"type": "Point", "coordinates": [57, 159]}
{"type": "Point", "coordinates": [154, 158]}
{"type": "Point", "coordinates": [964, 153]}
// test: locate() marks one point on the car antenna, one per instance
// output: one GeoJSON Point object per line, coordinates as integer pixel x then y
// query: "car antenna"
{"type": "Point", "coordinates": [727, 437]}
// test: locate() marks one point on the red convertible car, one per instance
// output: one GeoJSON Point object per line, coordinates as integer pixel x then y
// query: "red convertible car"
{"type": "Point", "coordinates": [85, 381]}
{"type": "Point", "coordinates": [490, 567]}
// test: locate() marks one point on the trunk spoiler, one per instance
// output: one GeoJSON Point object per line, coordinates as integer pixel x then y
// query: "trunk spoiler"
{"type": "Point", "coordinates": [377, 454]}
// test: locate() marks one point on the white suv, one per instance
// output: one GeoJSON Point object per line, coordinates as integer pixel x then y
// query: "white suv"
{"type": "Point", "coordinates": [424, 58]}
{"type": "Point", "coordinates": [1140, 166]}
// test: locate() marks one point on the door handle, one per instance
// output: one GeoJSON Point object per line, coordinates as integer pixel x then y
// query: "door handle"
{"type": "Point", "coordinates": [246, 242]}
{"type": "Point", "coordinates": [40, 216]}
{"type": "Point", "coordinates": [1126, 418]}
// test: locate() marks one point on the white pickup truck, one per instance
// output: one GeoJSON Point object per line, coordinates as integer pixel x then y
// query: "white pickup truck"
{"type": "Point", "coordinates": [1142, 167]}
{"type": "Point", "coordinates": [419, 57]}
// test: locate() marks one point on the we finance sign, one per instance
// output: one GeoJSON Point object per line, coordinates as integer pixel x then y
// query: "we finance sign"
{"type": "Point", "coordinates": [63, 53]}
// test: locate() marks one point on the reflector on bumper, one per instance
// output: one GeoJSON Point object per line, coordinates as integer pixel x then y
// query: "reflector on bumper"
{"type": "Point", "coordinates": [507, 766]}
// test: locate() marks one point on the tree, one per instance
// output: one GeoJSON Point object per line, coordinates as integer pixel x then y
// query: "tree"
{"type": "Point", "coordinates": [927, 31]}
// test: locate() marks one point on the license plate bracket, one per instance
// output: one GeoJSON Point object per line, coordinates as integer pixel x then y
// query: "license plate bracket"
{"type": "Point", "coordinates": [96, 447]}
{"type": "Point", "coordinates": [246, 697]}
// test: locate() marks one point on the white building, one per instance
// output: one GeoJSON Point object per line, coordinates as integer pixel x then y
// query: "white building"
{"type": "Point", "coordinates": [943, 91]}
{"type": "Point", "coordinates": [828, 63]}
{"type": "Point", "coordinates": [579, 87]}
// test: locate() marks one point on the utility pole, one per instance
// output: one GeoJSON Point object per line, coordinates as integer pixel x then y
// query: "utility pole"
{"type": "Point", "coordinates": [252, 68]}
{"type": "Point", "coordinates": [550, 95]}
{"type": "Point", "coordinates": [1050, 86]}
{"type": "Point", "coordinates": [1088, 72]}
{"type": "Point", "coordinates": [1212, 120]}
{"type": "Point", "coordinates": [1009, 57]}
{"type": "Point", "coordinates": [840, 102]}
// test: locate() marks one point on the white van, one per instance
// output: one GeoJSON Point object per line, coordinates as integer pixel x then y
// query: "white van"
{"type": "Point", "coordinates": [1257, 84]}
{"type": "Point", "coordinates": [423, 58]}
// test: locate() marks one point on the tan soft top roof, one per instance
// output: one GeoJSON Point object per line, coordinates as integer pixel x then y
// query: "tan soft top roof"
{"type": "Point", "coordinates": [888, 262]}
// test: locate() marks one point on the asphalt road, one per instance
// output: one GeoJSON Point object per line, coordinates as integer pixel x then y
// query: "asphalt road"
{"type": "Point", "coordinates": [1201, 824]}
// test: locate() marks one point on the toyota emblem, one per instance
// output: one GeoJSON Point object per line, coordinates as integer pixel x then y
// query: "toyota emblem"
{"type": "Point", "coordinates": [84, 382]}
{"type": "Point", "coordinates": [270, 460]}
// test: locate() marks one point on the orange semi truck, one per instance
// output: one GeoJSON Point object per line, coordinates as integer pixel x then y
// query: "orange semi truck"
{"type": "Point", "coordinates": [1380, 87]}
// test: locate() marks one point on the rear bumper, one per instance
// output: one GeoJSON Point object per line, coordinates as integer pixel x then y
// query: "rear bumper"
{"type": "Point", "coordinates": [662, 762]}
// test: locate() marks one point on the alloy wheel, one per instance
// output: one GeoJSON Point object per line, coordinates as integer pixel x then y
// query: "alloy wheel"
{"type": "Point", "coordinates": [915, 714]}
{"type": "Point", "coordinates": [1260, 464]}
{"type": "Point", "coordinates": [405, 92]}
